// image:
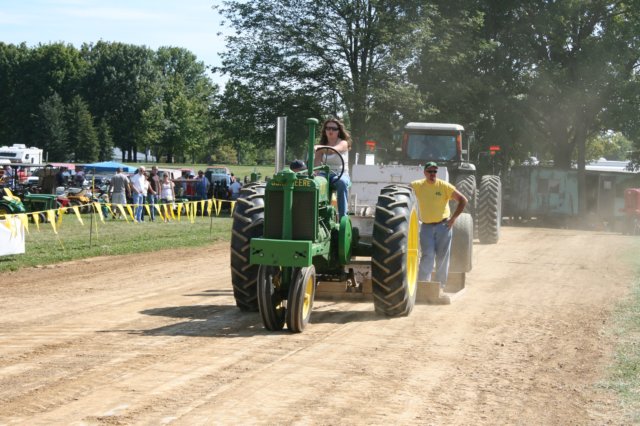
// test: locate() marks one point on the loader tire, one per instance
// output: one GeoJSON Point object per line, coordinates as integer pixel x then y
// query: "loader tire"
{"type": "Point", "coordinates": [248, 220]}
{"type": "Point", "coordinates": [395, 251]}
{"type": "Point", "coordinates": [489, 209]}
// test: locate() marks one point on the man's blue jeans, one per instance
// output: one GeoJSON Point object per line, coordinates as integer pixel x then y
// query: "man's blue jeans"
{"type": "Point", "coordinates": [152, 199]}
{"type": "Point", "coordinates": [435, 244]}
{"type": "Point", "coordinates": [138, 201]}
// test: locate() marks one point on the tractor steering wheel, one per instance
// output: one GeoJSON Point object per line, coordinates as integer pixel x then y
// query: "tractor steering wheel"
{"type": "Point", "coordinates": [341, 161]}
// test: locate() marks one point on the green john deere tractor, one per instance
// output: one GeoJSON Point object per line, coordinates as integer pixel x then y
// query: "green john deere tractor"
{"type": "Point", "coordinates": [286, 238]}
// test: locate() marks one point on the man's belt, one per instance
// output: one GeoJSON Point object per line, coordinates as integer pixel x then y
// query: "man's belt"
{"type": "Point", "coordinates": [437, 223]}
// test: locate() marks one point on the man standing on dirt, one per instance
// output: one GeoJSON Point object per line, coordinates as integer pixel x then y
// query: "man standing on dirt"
{"type": "Point", "coordinates": [433, 196]}
{"type": "Point", "coordinates": [119, 187]}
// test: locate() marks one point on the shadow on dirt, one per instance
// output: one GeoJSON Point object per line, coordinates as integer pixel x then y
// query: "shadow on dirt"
{"type": "Point", "coordinates": [214, 293]}
{"type": "Point", "coordinates": [345, 317]}
{"type": "Point", "coordinates": [229, 321]}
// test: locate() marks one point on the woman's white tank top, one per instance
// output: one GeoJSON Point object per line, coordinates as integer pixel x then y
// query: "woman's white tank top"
{"type": "Point", "coordinates": [333, 160]}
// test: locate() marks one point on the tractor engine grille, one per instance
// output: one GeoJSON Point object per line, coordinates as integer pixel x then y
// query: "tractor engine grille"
{"type": "Point", "coordinates": [304, 215]}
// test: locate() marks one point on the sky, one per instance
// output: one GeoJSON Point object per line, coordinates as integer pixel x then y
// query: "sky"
{"type": "Point", "coordinates": [192, 24]}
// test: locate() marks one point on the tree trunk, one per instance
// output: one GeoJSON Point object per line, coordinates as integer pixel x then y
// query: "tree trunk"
{"type": "Point", "coordinates": [562, 151]}
{"type": "Point", "coordinates": [580, 141]}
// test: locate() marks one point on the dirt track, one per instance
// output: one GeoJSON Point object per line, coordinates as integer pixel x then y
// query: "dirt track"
{"type": "Point", "coordinates": [156, 339]}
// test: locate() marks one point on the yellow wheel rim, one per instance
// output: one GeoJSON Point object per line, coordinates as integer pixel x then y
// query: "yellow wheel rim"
{"type": "Point", "coordinates": [413, 242]}
{"type": "Point", "coordinates": [308, 294]}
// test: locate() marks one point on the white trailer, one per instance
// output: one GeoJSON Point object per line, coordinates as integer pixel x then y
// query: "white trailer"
{"type": "Point", "coordinates": [20, 154]}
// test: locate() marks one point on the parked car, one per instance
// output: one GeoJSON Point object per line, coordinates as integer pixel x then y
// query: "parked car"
{"type": "Point", "coordinates": [220, 178]}
{"type": "Point", "coordinates": [220, 174]}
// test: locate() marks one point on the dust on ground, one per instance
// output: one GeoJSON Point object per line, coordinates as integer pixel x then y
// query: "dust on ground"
{"type": "Point", "coordinates": [156, 338]}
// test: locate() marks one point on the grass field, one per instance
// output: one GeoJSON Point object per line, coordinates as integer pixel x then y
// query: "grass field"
{"type": "Point", "coordinates": [76, 241]}
{"type": "Point", "coordinates": [624, 376]}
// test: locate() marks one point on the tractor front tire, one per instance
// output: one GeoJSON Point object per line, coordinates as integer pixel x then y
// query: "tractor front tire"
{"type": "Point", "coordinates": [394, 260]}
{"type": "Point", "coordinates": [272, 304]}
{"type": "Point", "coordinates": [300, 300]}
{"type": "Point", "coordinates": [489, 209]}
{"type": "Point", "coordinates": [248, 220]}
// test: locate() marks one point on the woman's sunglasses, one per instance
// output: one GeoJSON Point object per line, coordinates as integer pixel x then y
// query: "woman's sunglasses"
{"type": "Point", "coordinates": [333, 129]}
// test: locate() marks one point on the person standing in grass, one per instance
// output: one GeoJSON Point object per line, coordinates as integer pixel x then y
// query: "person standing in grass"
{"type": "Point", "coordinates": [202, 187]}
{"type": "Point", "coordinates": [119, 188]}
{"type": "Point", "coordinates": [139, 189]}
{"type": "Point", "coordinates": [154, 191]}
{"type": "Point", "coordinates": [167, 192]}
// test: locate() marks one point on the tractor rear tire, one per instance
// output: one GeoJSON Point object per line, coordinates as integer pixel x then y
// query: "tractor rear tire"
{"type": "Point", "coordinates": [300, 300]}
{"type": "Point", "coordinates": [395, 254]}
{"type": "Point", "coordinates": [462, 245]}
{"type": "Point", "coordinates": [489, 209]}
{"type": "Point", "coordinates": [271, 304]}
{"type": "Point", "coordinates": [466, 185]}
{"type": "Point", "coordinates": [248, 220]}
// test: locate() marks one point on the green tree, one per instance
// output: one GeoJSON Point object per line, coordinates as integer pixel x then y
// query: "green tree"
{"type": "Point", "coordinates": [334, 51]}
{"type": "Point", "coordinates": [186, 101]}
{"type": "Point", "coordinates": [33, 75]}
{"type": "Point", "coordinates": [122, 86]}
{"type": "Point", "coordinates": [609, 145]}
{"type": "Point", "coordinates": [83, 138]}
{"type": "Point", "coordinates": [11, 58]}
{"type": "Point", "coordinates": [51, 129]}
{"type": "Point", "coordinates": [249, 124]}
{"type": "Point", "coordinates": [105, 142]}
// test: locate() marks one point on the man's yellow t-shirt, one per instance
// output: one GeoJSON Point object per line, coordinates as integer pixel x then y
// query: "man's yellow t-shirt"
{"type": "Point", "coordinates": [433, 199]}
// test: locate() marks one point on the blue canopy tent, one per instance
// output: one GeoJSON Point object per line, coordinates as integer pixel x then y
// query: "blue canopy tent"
{"type": "Point", "coordinates": [108, 167]}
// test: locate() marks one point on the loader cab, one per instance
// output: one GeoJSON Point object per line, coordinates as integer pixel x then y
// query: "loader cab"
{"type": "Point", "coordinates": [439, 142]}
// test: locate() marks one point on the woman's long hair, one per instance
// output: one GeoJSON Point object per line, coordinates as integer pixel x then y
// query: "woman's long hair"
{"type": "Point", "coordinates": [343, 134]}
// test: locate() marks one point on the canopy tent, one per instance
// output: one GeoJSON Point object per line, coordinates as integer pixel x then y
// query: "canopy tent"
{"type": "Point", "coordinates": [108, 167]}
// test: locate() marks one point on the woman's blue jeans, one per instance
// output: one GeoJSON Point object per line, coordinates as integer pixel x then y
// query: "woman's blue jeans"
{"type": "Point", "coordinates": [342, 192]}
{"type": "Point", "coordinates": [435, 244]}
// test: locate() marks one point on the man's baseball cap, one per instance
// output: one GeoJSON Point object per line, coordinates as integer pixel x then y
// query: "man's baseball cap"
{"type": "Point", "coordinates": [430, 164]}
